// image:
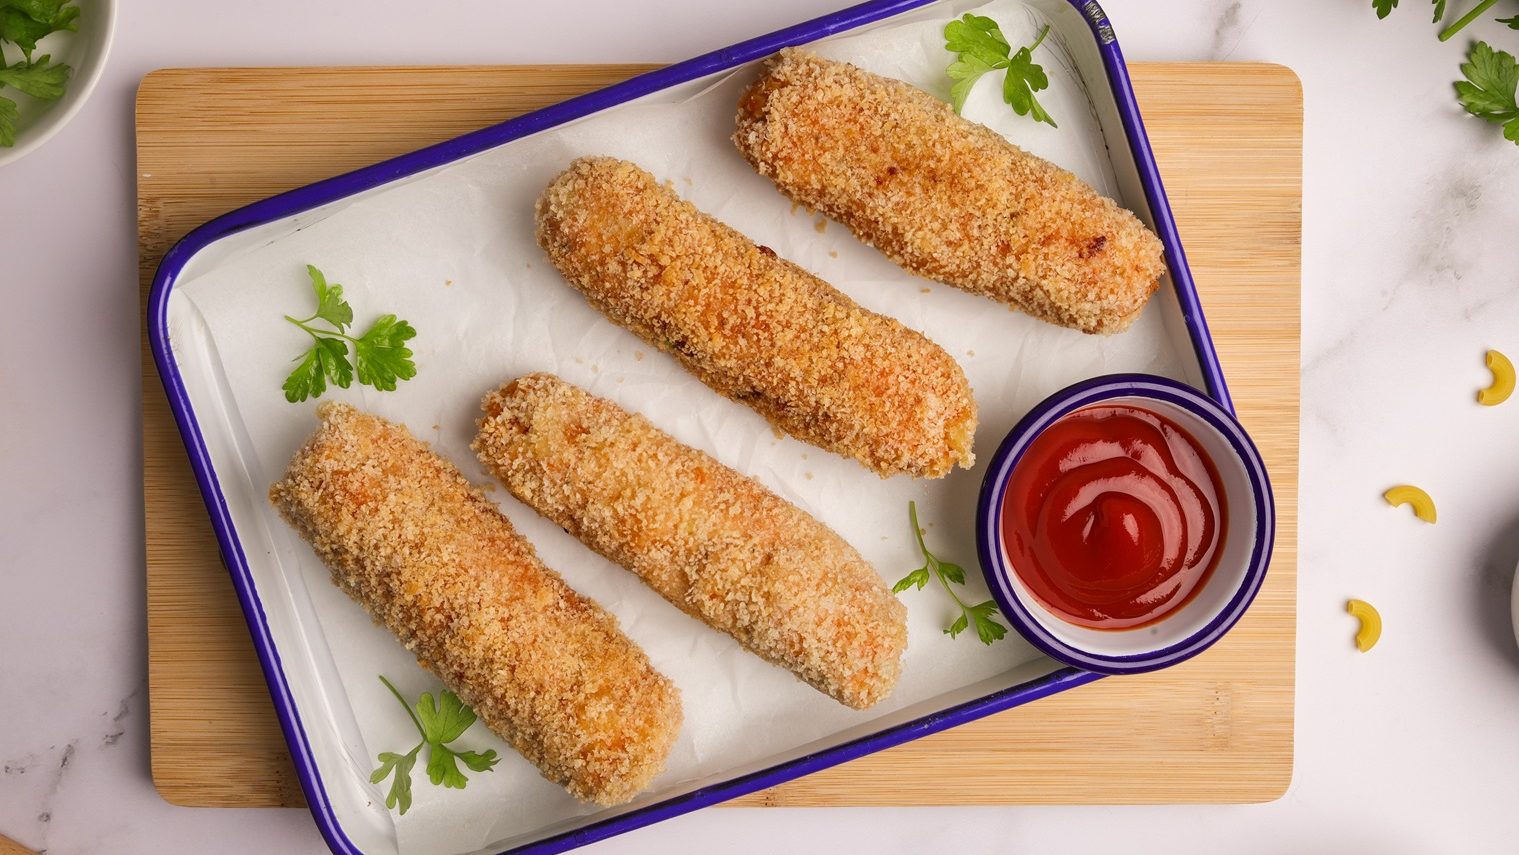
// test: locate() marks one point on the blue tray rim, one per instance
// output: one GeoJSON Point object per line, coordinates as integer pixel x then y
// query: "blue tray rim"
{"type": "Point", "coordinates": [331, 189]}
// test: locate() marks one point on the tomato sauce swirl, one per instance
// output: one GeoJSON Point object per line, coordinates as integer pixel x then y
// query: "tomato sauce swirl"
{"type": "Point", "coordinates": [1114, 517]}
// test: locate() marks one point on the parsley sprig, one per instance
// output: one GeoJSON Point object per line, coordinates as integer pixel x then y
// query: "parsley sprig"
{"type": "Point", "coordinates": [24, 23]}
{"type": "Point", "coordinates": [1488, 92]}
{"type": "Point", "coordinates": [1492, 76]}
{"type": "Point", "coordinates": [1460, 24]}
{"type": "Point", "coordinates": [380, 354]}
{"type": "Point", "coordinates": [980, 48]}
{"type": "Point", "coordinates": [438, 722]}
{"type": "Point", "coordinates": [983, 615]}
{"type": "Point", "coordinates": [1385, 7]}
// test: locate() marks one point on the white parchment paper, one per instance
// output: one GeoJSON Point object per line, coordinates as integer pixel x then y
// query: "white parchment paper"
{"type": "Point", "coordinates": [454, 253]}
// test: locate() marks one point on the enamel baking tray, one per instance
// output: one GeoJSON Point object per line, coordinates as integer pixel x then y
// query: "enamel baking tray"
{"type": "Point", "coordinates": [317, 651]}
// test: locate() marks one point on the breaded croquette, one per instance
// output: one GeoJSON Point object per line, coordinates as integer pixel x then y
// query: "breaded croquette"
{"type": "Point", "coordinates": [944, 197]}
{"type": "Point", "coordinates": [437, 564]}
{"type": "Point", "coordinates": [755, 327]}
{"type": "Point", "coordinates": [711, 541]}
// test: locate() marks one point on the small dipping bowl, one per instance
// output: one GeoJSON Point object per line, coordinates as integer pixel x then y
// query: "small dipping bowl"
{"type": "Point", "coordinates": [1249, 529]}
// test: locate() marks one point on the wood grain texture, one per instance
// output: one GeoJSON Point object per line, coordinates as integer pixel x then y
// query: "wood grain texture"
{"type": "Point", "coordinates": [11, 847]}
{"type": "Point", "coordinates": [1216, 729]}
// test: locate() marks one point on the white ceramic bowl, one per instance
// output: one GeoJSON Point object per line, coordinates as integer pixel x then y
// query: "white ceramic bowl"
{"type": "Point", "coordinates": [1250, 523]}
{"type": "Point", "coordinates": [85, 52]}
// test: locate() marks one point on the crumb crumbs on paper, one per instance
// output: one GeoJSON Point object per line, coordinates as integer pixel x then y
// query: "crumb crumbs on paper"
{"type": "Point", "coordinates": [807, 475]}
{"type": "Point", "coordinates": [833, 253]}
{"type": "Point", "coordinates": [926, 290]}
{"type": "Point", "coordinates": [794, 207]}
{"type": "Point", "coordinates": [448, 283]}
{"type": "Point", "coordinates": [970, 353]}
{"type": "Point", "coordinates": [820, 224]}
{"type": "Point", "coordinates": [777, 432]}
{"type": "Point", "coordinates": [637, 356]}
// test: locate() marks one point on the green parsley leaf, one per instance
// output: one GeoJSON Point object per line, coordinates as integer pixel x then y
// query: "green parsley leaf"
{"type": "Point", "coordinates": [916, 579]}
{"type": "Point", "coordinates": [953, 572]}
{"type": "Point", "coordinates": [326, 360]}
{"type": "Point", "coordinates": [9, 117]}
{"type": "Point", "coordinates": [438, 721]}
{"type": "Point", "coordinates": [1492, 76]}
{"type": "Point", "coordinates": [306, 381]}
{"type": "Point", "coordinates": [443, 770]}
{"type": "Point", "coordinates": [332, 355]}
{"type": "Point", "coordinates": [478, 762]}
{"type": "Point", "coordinates": [983, 615]}
{"type": "Point", "coordinates": [1384, 7]}
{"type": "Point", "coordinates": [1511, 23]}
{"type": "Point", "coordinates": [382, 356]}
{"type": "Point", "coordinates": [42, 11]}
{"type": "Point", "coordinates": [388, 761]}
{"type": "Point", "coordinates": [400, 788]}
{"type": "Point", "coordinates": [979, 48]}
{"type": "Point", "coordinates": [26, 22]}
{"type": "Point", "coordinates": [1024, 78]}
{"type": "Point", "coordinates": [330, 305]}
{"type": "Point", "coordinates": [444, 720]}
{"type": "Point", "coordinates": [39, 79]}
{"type": "Point", "coordinates": [1439, 11]}
{"type": "Point", "coordinates": [965, 72]}
{"type": "Point", "coordinates": [979, 38]}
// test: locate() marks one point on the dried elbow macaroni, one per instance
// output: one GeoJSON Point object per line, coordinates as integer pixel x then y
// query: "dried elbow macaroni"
{"type": "Point", "coordinates": [1503, 380]}
{"type": "Point", "coordinates": [1405, 494]}
{"type": "Point", "coordinates": [1371, 624]}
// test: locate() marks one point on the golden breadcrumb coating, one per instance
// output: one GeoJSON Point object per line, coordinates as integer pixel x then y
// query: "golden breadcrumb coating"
{"type": "Point", "coordinates": [437, 564]}
{"type": "Point", "coordinates": [944, 197]}
{"type": "Point", "coordinates": [713, 542]}
{"type": "Point", "coordinates": [755, 327]}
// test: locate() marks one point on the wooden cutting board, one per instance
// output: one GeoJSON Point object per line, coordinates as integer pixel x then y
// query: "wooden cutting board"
{"type": "Point", "coordinates": [1216, 729]}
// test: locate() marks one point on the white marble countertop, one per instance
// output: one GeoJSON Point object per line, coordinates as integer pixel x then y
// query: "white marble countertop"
{"type": "Point", "coordinates": [1409, 273]}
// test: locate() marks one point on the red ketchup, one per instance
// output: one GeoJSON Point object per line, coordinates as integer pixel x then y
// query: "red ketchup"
{"type": "Point", "coordinates": [1113, 517]}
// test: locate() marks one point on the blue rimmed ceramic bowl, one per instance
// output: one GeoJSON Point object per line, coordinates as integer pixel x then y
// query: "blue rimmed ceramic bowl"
{"type": "Point", "coordinates": [1250, 529]}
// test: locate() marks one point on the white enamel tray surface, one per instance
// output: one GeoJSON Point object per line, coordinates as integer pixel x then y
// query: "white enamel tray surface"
{"type": "Point", "coordinates": [452, 250]}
